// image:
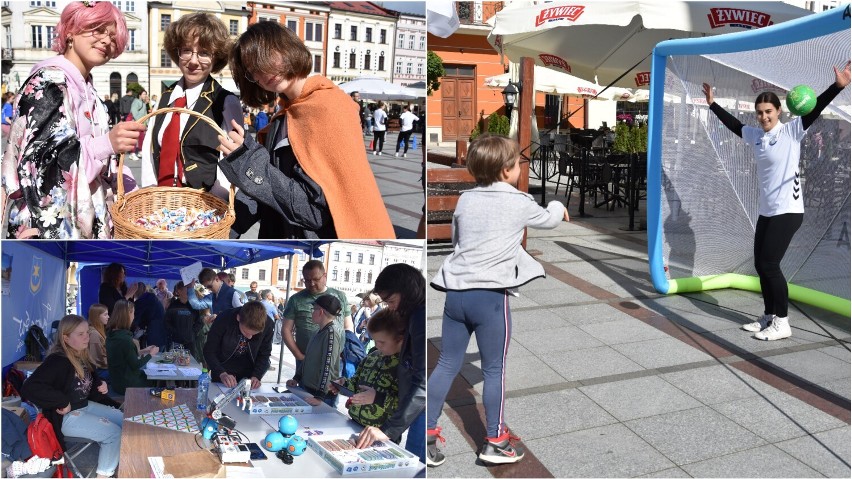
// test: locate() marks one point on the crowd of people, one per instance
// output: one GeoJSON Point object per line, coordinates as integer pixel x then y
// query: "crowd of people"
{"type": "Point", "coordinates": [60, 160]}
{"type": "Point", "coordinates": [94, 359]}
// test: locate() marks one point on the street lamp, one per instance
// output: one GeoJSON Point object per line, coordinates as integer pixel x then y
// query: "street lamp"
{"type": "Point", "coordinates": [510, 94]}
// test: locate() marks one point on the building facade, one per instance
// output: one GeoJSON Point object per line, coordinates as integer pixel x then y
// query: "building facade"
{"type": "Point", "coordinates": [28, 28]}
{"type": "Point", "coordinates": [410, 50]}
{"type": "Point", "coordinates": [360, 41]}
{"type": "Point", "coordinates": [163, 71]}
{"type": "Point", "coordinates": [307, 20]}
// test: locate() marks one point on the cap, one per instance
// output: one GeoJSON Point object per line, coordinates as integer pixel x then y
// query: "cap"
{"type": "Point", "coordinates": [329, 303]}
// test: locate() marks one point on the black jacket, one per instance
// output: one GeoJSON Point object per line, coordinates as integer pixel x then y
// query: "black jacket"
{"type": "Point", "coordinates": [411, 376]}
{"type": "Point", "coordinates": [149, 315]}
{"type": "Point", "coordinates": [51, 386]}
{"type": "Point", "coordinates": [222, 342]}
{"type": "Point", "coordinates": [183, 323]}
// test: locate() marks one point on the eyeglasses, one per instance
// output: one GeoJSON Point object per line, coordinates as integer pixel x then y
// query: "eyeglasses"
{"type": "Point", "coordinates": [250, 77]}
{"type": "Point", "coordinates": [100, 32]}
{"type": "Point", "coordinates": [203, 56]}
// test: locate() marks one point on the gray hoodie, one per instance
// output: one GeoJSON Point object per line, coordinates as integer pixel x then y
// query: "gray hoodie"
{"type": "Point", "coordinates": [488, 227]}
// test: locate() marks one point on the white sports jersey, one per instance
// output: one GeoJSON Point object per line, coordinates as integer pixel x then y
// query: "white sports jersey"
{"type": "Point", "coordinates": [777, 153]}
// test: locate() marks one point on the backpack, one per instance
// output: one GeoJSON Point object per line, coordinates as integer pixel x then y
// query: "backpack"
{"type": "Point", "coordinates": [12, 383]}
{"type": "Point", "coordinates": [36, 343]}
{"type": "Point", "coordinates": [43, 443]}
{"type": "Point", "coordinates": [353, 353]}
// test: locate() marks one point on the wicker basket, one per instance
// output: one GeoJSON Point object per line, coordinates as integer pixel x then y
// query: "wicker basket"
{"type": "Point", "coordinates": [137, 204]}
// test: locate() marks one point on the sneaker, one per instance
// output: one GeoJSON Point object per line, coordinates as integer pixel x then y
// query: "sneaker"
{"type": "Point", "coordinates": [379, 153]}
{"type": "Point", "coordinates": [501, 450]}
{"type": "Point", "coordinates": [374, 152]}
{"type": "Point", "coordinates": [759, 325]}
{"type": "Point", "coordinates": [405, 155]}
{"type": "Point", "coordinates": [396, 154]}
{"type": "Point", "coordinates": [778, 329]}
{"type": "Point", "coordinates": [434, 456]}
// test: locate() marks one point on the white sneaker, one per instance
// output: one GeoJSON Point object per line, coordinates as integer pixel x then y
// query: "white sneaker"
{"type": "Point", "coordinates": [405, 155]}
{"type": "Point", "coordinates": [759, 325]}
{"type": "Point", "coordinates": [778, 329]}
{"type": "Point", "coordinates": [374, 152]}
{"type": "Point", "coordinates": [379, 153]}
{"type": "Point", "coordinates": [396, 154]}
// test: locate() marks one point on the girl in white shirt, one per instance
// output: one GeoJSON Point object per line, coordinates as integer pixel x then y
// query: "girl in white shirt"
{"type": "Point", "coordinates": [380, 120]}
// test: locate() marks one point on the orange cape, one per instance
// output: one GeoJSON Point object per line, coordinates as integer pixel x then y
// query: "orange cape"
{"type": "Point", "coordinates": [324, 128]}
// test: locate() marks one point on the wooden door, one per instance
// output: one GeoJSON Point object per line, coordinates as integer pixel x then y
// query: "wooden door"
{"type": "Point", "coordinates": [457, 107]}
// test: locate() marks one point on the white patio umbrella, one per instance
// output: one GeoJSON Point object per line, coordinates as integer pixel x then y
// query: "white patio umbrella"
{"type": "Point", "coordinates": [556, 83]}
{"type": "Point", "coordinates": [600, 41]}
{"type": "Point", "coordinates": [374, 88]}
{"type": "Point", "coordinates": [442, 20]}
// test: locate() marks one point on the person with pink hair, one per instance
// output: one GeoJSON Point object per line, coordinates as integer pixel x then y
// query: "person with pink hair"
{"type": "Point", "coordinates": [59, 168]}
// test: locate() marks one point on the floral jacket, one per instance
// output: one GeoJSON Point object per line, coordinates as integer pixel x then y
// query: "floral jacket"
{"type": "Point", "coordinates": [58, 166]}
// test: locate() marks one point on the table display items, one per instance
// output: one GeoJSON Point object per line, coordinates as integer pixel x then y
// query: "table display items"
{"type": "Point", "coordinates": [340, 452]}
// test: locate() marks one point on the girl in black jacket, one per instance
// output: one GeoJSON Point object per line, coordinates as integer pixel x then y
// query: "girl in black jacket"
{"type": "Point", "coordinates": [74, 399]}
{"type": "Point", "coordinates": [183, 322]}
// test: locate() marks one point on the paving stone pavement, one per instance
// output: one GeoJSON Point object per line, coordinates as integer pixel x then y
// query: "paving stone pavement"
{"type": "Point", "coordinates": [607, 378]}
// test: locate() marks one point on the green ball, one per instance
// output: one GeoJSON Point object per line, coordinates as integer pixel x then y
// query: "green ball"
{"type": "Point", "coordinates": [801, 100]}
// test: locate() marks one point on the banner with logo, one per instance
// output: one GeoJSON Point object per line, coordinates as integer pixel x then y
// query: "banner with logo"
{"type": "Point", "coordinates": [36, 295]}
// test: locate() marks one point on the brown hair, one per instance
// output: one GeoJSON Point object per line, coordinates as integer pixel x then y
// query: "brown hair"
{"type": "Point", "coordinates": [253, 316]}
{"type": "Point", "coordinates": [267, 47]}
{"type": "Point", "coordinates": [111, 274]}
{"type": "Point", "coordinates": [95, 311]}
{"type": "Point", "coordinates": [768, 97]}
{"type": "Point", "coordinates": [79, 359]}
{"type": "Point", "coordinates": [489, 155]}
{"type": "Point", "coordinates": [210, 32]}
{"type": "Point", "coordinates": [121, 317]}
{"type": "Point", "coordinates": [206, 274]}
{"type": "Point", "coordinates": [312, 265]}
{"type": "Point", "coordinates": [389, 321]}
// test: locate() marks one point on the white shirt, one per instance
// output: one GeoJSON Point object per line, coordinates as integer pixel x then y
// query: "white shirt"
{"type": "Point", "coordinates": [378, 115]}
{"type": "Point", "coordinates": [777, 153]}
{"type": "Point", "coordinates": [407, 120]}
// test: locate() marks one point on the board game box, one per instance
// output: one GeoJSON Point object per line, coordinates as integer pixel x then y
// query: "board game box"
{"type": "Point", "coordinates": [279, 403]}
{"type": "Point", "coordinates": [340, 453]}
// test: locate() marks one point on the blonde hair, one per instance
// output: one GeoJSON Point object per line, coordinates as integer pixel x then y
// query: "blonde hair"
{"type": "Point", "coordinates": [121, 317]}
{"type": "Point", "coordinates": [95, 311]}
{"type": "Point", "coordinates": [79, 359]}
{"type": "Point", "coordinates": [489, 155]}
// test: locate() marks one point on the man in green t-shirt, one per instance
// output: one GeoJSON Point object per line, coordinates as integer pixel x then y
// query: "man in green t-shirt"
{"type": "Point", "coordinates": [297, 328]}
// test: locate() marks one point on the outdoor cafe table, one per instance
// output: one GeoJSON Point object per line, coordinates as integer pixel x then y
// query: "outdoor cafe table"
{"type": "Point", "coordinates": [140, 441]}
{"type": "Point", "coordinates": [163, 372]}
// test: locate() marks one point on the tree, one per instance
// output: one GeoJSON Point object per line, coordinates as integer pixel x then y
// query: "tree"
{"type": "Point", "coordinates": [434, 71]}
{"type": "Point", "coordinates": [497, 124]}
{"type": "Point", "coordinates": [137, 88]}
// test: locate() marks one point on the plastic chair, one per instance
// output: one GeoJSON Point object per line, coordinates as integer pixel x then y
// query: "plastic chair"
{"type": "Point", "coordinates": [76, 446]}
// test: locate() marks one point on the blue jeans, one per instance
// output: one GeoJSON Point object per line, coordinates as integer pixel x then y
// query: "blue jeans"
{"type": "Point", "coordinates": [102, 424]}
{"type": "Point", "coordinates": [416, 442]}
{"type": "Point", "coordinates": [486, 313]}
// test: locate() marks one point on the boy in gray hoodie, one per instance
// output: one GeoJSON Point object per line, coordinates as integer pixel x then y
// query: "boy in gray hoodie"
{"type": "Point", "coordinates": [487, 261]}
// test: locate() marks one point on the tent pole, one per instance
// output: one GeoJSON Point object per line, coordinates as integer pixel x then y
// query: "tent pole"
{"type": "Point", "coordinates": [286, 298]}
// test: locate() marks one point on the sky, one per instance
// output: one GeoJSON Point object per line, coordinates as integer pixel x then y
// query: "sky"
{"type": "Point", "coordinates": [418, 7]}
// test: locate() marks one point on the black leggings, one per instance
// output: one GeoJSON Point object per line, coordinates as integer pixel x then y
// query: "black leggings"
{"type": "Point", "coordinates": [403, 140]}
{"type": "Point", "coordinates": [772, 237]}
{"type": "Point", "coordinates": [378, 140]}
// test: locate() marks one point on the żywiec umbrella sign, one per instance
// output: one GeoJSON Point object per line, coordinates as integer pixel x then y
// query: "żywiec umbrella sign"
{"type": "Point", "coordinates": [600, 41]}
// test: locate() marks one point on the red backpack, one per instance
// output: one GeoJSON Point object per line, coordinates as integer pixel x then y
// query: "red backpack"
{"type": "Point", "coordinates": [43, 443]}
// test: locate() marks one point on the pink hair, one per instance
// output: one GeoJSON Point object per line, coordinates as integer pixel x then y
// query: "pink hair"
{"type": "Point", "coordinates": [77, 18]}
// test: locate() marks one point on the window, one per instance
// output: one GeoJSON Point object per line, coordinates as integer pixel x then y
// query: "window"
{"type": "Point", "coordinates": [313, 32]}
{"type": "Point", "coordinates": [234, 27]}
{"type": "Point", "coordinates": [132, 78]}
{"type": "Point", "coordinates": [369, 35]}
{"type": "Point", "coordinates": [8, 29]}
{"type": "Point", "coordinates": [293, 25]}
{"type": "Point", "coordinates": [48, 38]}
{"type": "Point", "coordinates": [46, 4]}
{"type": "Point", "coordinates": [400, 41]}
{"type": "Point", "coordinates": [372, 259]}
{"type": "Point", "coordinates": [383, 36]}
{"type": "Point", "coordinates": [245, 273]}
{"type": "Point", "coordinates": [360, 258]}
{"type": "Point", "coordinates": [411, 42]}
{"type": "Point", "coordinates": [346, 276]}
{"type": "Point", "coordinates": [408, 68]}
{"type": "Point", "coordinates": [165, 21]}
{"type": "Point", "coordinates": [317, 63]}
{"type": "Point", "coordinates": [422, 43]}
{"type": "Point", "coordinates": [131, 40]}
{"type": "Point", "coordinates": [334, 274]}
{"type": "Point", "coordinates": [261, 275]}
{"type": "Point", "coordinates": [36, 36]}
{"type": "Point", "coordinates": [419, 68]}
{"type": "Point", "coordinates": [282, 274]}
{"type": "Point", "coordinates": [358, 276]}
{"type": "Point", "coordinates": [130, 6]}
{"type": "Point", "coordinates": [351, 60]}
{"type": "Point", "coordinates": [381, 64]}
{"type": "Point", "coordinates": [353, 33]}
{"type": "Point", "coordinates": [165, 60]}
{"type": "Point", "coordinates": [368, 62]}
{"type": "Point", "coordinates": [370, 277]}
{"type": "Point", "coordinates": [348, 256]}
{"type": "Point", "coordinates": [337, 255]}
{"type": "Point", "coordinates": [338, 31]}
{"type": "Point", "coordinates": [398, 69]}
{"type": "Point", "coordinates": [336, 65]}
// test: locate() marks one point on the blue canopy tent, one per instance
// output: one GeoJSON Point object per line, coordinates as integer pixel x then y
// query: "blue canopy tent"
{"type": "Point", "coordinates": [38, 272]}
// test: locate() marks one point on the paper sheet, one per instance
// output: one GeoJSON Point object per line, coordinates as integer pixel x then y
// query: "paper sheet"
{"type": "Point", "coordinates": [190, 371]}
{"type": "Point", "coordinates": [161, 372]}
{"type": "Point", "coordinates": [242, 472]}
{"type": "Point", "coordinates": [189, 273]}
{"type": "Point", "coordinates": [153, 364]}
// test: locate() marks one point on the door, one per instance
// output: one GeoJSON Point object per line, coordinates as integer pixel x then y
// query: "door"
{"type": "Point", "coordinates": [458, 102]}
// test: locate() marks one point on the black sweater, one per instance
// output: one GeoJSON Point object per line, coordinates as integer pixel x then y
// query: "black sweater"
{"type": "Point", "coordinates": [55, 384]}
{"type": "Point", "coordinates": [222, 341]}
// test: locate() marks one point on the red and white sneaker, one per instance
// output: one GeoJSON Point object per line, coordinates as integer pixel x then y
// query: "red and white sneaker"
{"type": "Point", "coordinates": [434, 456]}
{"type": "Point", "coordinates": [501, 449]}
